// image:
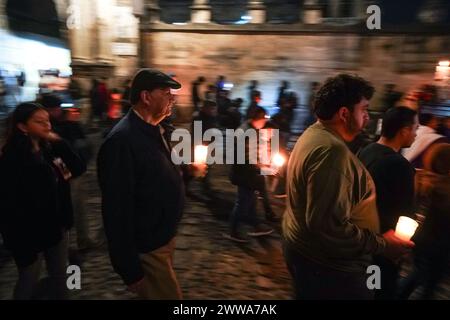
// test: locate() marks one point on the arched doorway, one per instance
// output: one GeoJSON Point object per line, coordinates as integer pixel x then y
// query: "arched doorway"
{"type": "Point", "coordinates": [31, 16]}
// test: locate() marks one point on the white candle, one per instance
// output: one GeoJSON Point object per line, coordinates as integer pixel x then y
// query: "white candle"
{"type": "Point", "coordinates": [406, 227]}
{"type": "Point", "coordinates": [278, 160]}
{"type": "Point", "coordinates": [200, 154]}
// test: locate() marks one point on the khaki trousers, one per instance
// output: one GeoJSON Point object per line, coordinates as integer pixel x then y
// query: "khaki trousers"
{"type": "Point", "coordinates": [160, 281]}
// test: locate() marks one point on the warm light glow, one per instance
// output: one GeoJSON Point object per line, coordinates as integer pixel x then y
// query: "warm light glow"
{"type": "Point", "coordinates": [444, 63]}
{"type": "Point", "coordinates": [278, 160]}
{"type": "Point", "coordinates": [200, 154]}
{"type": "Point", "coordinates": [406, 227]}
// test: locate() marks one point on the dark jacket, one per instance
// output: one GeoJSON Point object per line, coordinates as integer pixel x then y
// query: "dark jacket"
{"type": "Point", "coordinates": [247, 174]}
{"type": "Point", "coordinates": [73, 133]}
{"type": "Point", "coordinates": [196, 99]}
{"type": "Point", "coordinates": [394, 181]}
{"type": "Point", "coordinates": [433, 238]}
{"type": "Point", "coordinates": [35, 203]}
{"type": "Point", "coordinates": [142, 193]}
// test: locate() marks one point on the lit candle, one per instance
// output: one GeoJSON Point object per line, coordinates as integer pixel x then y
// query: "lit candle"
{"type": "Point", "coordinates": [406, 227]}
{"type": "Point", "coordinates": [278, 160]}
{"type": "Point", "coordinates": [200, 154]}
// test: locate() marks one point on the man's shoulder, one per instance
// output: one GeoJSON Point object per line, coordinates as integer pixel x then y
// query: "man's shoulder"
{"type": "Point", "coordinates": [323, 142]}
{"type": "Point", "coordinates": [325, 152]}
{"type": "Point", "coordinates": [399, 161]}
{"type": "Point", "coordinates": [122, 130]}
{"type": "Point", "coordinates": [121, 134]}
{"type": "Point", "coordinates": [371, 148]}
{"type": "Point", "coordinates": [371, 152]}
{"type": "Point", "coordinates": [394, 162]}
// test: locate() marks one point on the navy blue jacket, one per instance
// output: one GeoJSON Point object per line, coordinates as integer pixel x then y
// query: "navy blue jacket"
{"type": "Point", "coordinates": [142, 193]}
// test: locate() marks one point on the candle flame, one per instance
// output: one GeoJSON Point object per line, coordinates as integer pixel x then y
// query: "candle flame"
{"type": "Point", "coordinates": [200, 154]}
{"type": "Point", "coordinates": [278, 160]}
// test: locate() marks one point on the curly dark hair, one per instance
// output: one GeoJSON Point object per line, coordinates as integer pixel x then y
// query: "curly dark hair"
{"type": "Point", "coordinates": [343, 90]}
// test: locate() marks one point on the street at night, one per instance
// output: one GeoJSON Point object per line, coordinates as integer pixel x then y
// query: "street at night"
{"type": "Point", "coordinates": [212, 150]}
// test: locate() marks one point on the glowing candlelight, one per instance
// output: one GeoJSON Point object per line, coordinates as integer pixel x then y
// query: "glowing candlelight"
{"type": "Point", "coordinates": [200, 154]}
{"type": "Point", "coordinates": [278, 160]}
{"type": "Point", "coordinates": [406, 227]}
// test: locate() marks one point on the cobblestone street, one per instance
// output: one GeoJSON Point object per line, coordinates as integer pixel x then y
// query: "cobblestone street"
{"type": "Point", "coordinates": [208, 265]}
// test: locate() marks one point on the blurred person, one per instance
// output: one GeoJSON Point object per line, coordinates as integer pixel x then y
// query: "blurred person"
{"type": "Point", "coordinates": [432, 251]}
{"type": "Point", "coordinates": [394, 182]}
{"type": "Point", "coordinates": [21, 79]}
{"type": "Point", "coordinates": [247, 177]}
{"type": "Point", "coordinates": [3, 107]}
{"type": "Point", "coordinates": [390, 97]}
{"type": "Point", "coordinates": [224, 109]}
{"type": "Point", "coordinates": [74, 89]}
{"type": "Point", "coordinates": [254, 104]}
{"type": "Point", "coordinates": [208, 118]}
{"type": "Point", "coordinates": [114, 106]}
{"type": "Point", "coordinates": [235, 113]}
{"type": "Point", "coordinates": [211, 93]}
{"type": "Point", "coordinates": [99, 100]}
{"type": "Point", "coordinates": [446, 127]}
{"type": "Point", "coordinates": [262, 187]}
{"type": "Point", "coordinates": [142, 190]}
{"type": "Point", "coordinates": [36, 209]}
{"type": "Point", "coordinates": [72, 132]}
{"type": "Point", "coordinates": [223, 102]}
{"type": "Point", "coordinates": [196, 96]}
{"type": "Point", "coordinates": [426, 137]}
{"type": "Point", "coordinates": [282, 91]}
{"type": "Point", "coordinates": [283, 120]}
{"type": "Point", "coordinates": [220, 83]}
{"type": "Point", "coordinates": [330, 226]}
{"type": "Point", "coordinates": [427, 95]}
{"type": "Point", "coordinates": [93, 96]}
{"type": "Point", "coordinates": [253, 86]}
{"type": "Point", "coordinates": [311, 118]}
{"type": "Point", "coordinates": [126, 105]}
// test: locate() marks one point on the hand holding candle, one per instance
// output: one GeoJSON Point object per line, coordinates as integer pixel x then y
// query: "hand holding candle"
{"type": "Point", "coordinates": [200, 154]}
{"type": "Point", "coordinates": [199, 167]}
{"type": "Point", "coordinates": [396, 248]}
{"type": "Point", "coordinates": [406, 227]}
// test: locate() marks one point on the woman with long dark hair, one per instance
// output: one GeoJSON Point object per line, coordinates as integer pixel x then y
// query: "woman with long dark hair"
{"type": "Point", "coordinates": [35, 204]}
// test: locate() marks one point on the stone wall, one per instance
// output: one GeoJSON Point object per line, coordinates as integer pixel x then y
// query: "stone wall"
{"type": "Point", "coordinates": [299, 57]}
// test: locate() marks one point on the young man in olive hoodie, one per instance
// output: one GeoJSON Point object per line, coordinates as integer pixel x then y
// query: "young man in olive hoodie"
{"type": "Point", "coordinates": [330, 226]}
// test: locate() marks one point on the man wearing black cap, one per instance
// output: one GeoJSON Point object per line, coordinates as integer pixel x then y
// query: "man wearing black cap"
{"type": "Point", "coordinates": [142, 190]}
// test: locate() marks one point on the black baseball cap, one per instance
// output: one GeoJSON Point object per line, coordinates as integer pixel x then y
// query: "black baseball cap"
{"type": "Point", "coordinates": [149, 79]}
